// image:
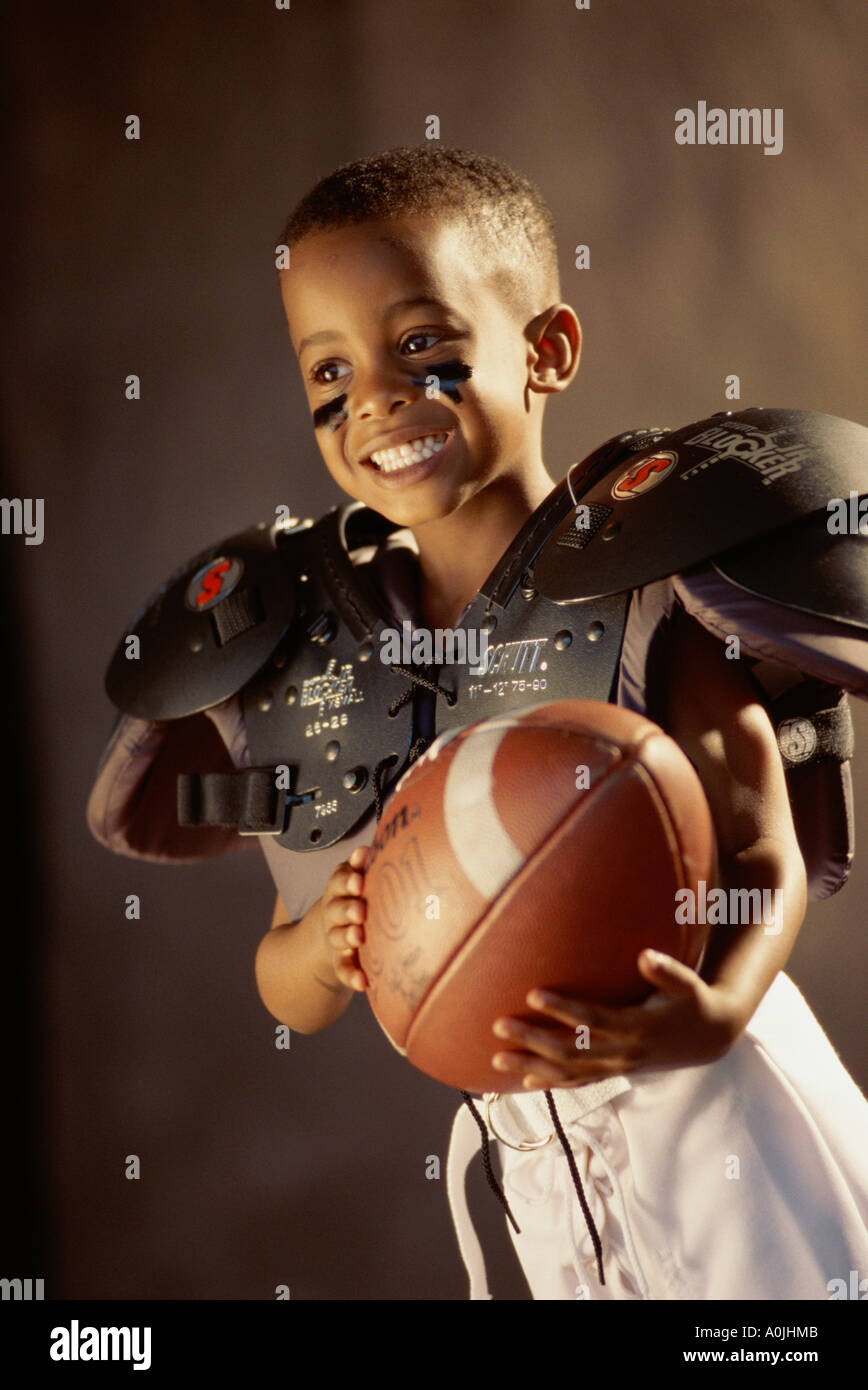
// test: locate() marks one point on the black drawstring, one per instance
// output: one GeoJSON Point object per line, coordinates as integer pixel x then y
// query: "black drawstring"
{"type": "Point", "coordinates": [571, 1162]}
{"type": "Point", "coordinates": [422, 742]}
{"type": "Point", "coordinates": [417, 679]}
{"type": "Point", "coordinates": [486, 1159]}
{"type": "Point", "coordinates": [577, 1184]}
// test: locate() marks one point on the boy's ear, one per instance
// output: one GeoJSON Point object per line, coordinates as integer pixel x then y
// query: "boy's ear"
{"type": "Point", "coordinates": [554, 348]}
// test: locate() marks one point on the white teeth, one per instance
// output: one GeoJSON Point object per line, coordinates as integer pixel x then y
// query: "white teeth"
{"type": "Point", "coordinates": [405, 455]}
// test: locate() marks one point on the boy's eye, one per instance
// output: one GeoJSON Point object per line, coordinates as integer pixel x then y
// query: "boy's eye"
{"type": "Point", "coordinates": [418, 336]}
{"type": "Point", "coordinates": [320, 374]}
{"type": "Point", "coordinates": [329, 372]}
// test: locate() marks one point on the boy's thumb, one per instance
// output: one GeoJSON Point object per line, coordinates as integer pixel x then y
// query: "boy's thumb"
{"type": "Point", "coordinates": [667, 973]}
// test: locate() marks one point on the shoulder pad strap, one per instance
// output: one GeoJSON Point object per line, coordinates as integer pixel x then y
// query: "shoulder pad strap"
{"type": "Point", "coordinates": [132, 806]}
{"type": "Point", "coordinates": [695, 493]}
{"type": "Point", "coordinates": [209, 628]}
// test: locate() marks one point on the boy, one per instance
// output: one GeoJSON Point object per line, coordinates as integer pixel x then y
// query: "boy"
{"type": "Point", "coordinates": [440, 266]}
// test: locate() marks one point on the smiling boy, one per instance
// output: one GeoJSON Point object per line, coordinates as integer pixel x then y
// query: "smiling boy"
{"type": "Point", "coordinates": [374, 308]}
{"type": "Point", "coordinates": [424, 305]}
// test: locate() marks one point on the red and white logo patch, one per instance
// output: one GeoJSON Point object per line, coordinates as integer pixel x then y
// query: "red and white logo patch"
{"type": "Point", "coordinates": [212, 583]}
{"type": "Point", "coordinates": [643, 475]}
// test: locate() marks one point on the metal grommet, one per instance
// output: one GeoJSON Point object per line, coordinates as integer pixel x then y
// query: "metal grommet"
{"type": "Point", "coordinates": [525, 1145]}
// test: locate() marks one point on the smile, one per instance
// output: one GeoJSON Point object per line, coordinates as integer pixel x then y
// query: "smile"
{"type": "Point", "coordinates": [406, 455]}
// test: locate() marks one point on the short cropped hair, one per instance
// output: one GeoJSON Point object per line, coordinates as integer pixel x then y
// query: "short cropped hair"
{"type": "Point", "coordinates": [506, 216]}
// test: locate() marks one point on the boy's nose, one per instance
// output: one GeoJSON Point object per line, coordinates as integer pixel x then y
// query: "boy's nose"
{"type": "Point", "coordinates": [376, 392]}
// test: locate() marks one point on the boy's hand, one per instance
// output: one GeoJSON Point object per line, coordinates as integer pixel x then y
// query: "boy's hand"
{"type": "Point", "coordinates": [710, 706]}
{"type": "Point", "coordinates": [343, 913]}
{"type": "Point", "coordinates": [685, 1023]}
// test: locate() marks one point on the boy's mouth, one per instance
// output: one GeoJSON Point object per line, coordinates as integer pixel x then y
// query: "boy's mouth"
{"type": "Point", "coordinates": [411, 452]}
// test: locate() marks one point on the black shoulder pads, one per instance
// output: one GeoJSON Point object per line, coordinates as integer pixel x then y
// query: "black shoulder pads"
{"type": "Point", "coordinates": [209, 628]}
{"type": "Point", "coordinates": [666, 502]}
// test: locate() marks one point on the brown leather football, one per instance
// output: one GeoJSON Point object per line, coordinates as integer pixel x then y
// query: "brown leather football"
{"type": "Point", "coordinates": [542, 848]}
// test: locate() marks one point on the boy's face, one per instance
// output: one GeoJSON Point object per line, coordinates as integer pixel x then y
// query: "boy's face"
{"type": "Point", "coordinates": [373, 310]}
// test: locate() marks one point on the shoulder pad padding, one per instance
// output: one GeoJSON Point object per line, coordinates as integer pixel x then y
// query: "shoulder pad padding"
{"type": "Point", "coordinates": [805, 567]}
{"type": "Point", "coordinates": [695, 493]}
{"type": "Point", "coordinates": [209, 628]}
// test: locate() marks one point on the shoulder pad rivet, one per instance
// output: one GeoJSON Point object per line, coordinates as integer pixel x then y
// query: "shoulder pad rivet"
{"type": "Point", "coordinates": [291, 694]}
{"type": "Point", "coordinates": [366, 649]}
{"type": "Point", "coordinates": [197, 643]}
{"type": "Point", "coordinates": [332, 749]}
{"type": "Point", "coordinates": [595, 631]}
{"type": "Point", "coordinates": [355, 779]}
{"type": "Point", "coordinates": [489, 622]}
{"type": "Point", "coordinates": [265, 703]}
{"type": "Point", "coordinates": [610, 531]}
{"type": "Point", "coordinates": [563, 639]}
{"type": "Point", "coordinates": [303, 578]}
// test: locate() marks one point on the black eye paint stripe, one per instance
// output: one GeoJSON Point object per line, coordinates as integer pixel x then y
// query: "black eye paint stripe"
{"type": "Point", "coordinates": [448, 374]}
{"type": "Point", "coordinates": [332, 413]}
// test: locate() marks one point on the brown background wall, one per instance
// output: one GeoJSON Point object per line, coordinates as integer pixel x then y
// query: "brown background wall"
{"type": "Point", "coordinates": [307, 1167]}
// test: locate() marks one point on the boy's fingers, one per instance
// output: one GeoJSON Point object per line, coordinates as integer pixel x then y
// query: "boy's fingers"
{"type": "Point", "coordinates": [350, 974]}
{"type": "Point", "coordinates": [343, 912]}
{"type": "Point", "coordinates": [347, 880]}
{"type": "Point", "coordinates": [346, 962]}
{"type": "Point", "coordinates": [338, 938]}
